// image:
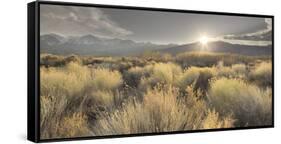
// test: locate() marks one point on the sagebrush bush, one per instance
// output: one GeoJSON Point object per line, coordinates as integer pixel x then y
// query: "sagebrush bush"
{"type": "Point", "coordinates": [213, 121]}
{"type": "Point", "coordinates": [104, 79]}
{"type": "Point", "coordinates": [75, 125]}
{"type": "Point", "coordinates": [233, 71]}
{"type": "Point", "coordinates": [133, 75]}
{"type": "Point", "coordinates": [68, 80]}
{"type": "Point", "coordinates": [250, 105]}
{"type": "Point", "coordinates": [191, 75]}
{"type": "Point", "coordinates": [72, 85]}
{"type": "Point", "coordinates": [73, 59]}
{"type": "Point", "coordinates": [208, 59]}
{"type": "Point", "coordinates": [165, 73]}
{"type": "Point", "coordinates": [162, 73]}
{"type": "Point", "coordinates": [51, 60]}
{"type": "Point", "coordinates": [86, 96]}
{"type": "Point", "coordinates": [59, 86]}
{"type": "Point", "coordinates": [262, 74]}
{"type": "Point", "coordinates": [160, 111]}
{"type": "Point", "coordinates": [239, 69]}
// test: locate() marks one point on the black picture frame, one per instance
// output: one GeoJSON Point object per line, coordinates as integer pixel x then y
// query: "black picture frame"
{"type": "Point", "coordinates": [33, 106]}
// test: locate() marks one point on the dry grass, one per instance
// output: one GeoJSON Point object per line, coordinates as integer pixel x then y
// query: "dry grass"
{"type": "Point", "coordinates": [249, 104]}
{"type": "Point", "coordinates": [262, 74]}
{"type": "Point", "coordinates": [161, 111]}
{"type": "Point", "coordinates": [86, 96]}
{"type": "Point", "coordinates": [161, 73]}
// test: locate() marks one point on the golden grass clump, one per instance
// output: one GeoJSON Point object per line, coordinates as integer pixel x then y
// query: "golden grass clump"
{"type": "Point", "coordinates": [51, 60]}
{"type": "Point", "coordinates": [69, 80]}
{"type": "Point", "coordinates": [104, 79]}
{"type": "Point", "coordinates": [96, 96]}
{"type": "Point", "coordinates": [262, 74]}
{"type": "Point", "coordinates": [239, 69]}
{"type": "Point", "coordinates": [165, 72]}
{"type": "Point", "coordinates": [133, 75]}
{"type": "Point", "coordinates": [162, 110]}
{"type": "Point", "coordinates": [249, 104]}
{"type": "Point", "coordinates": [59, 86]}
{"type": "Point", "coordinates": [73, 126]}
{"type": "Point", "coordinates": [191, 75]}
{"type": "Point", "coordinates": [162, 73]}
{"type": "Point", "coordinates": [214, 121]}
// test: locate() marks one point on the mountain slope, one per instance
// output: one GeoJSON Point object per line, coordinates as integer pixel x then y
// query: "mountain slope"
{"type": "Point", "coordinates": [222, 47]}
{"type": "Point", "coordinates": [93, 45]}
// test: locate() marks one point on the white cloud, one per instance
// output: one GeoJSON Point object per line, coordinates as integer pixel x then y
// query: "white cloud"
{"type": "Point", "coordinates": [68, 20]}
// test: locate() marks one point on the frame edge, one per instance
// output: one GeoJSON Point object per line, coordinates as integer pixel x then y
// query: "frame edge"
{"type": "Point", "coordinates": [32, 107]}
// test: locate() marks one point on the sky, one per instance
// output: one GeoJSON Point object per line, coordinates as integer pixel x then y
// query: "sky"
{"type": "Point", "coordinates": [152, 26]}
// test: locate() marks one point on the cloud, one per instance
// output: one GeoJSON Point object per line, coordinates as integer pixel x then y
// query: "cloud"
{"type": "Point", "coordinates": [69, 21]}
{"type": "Point", "coordinates": [260, 35]}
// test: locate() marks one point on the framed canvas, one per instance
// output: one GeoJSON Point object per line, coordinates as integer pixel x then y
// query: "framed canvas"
{"type": "Point", "coordinates": [104, 71]}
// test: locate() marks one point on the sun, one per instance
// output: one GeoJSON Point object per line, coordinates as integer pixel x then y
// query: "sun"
{"type": "Point", "coordinates": [204, 40]}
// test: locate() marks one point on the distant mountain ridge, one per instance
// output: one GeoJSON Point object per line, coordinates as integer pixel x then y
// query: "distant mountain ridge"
{"type": "Point", "coordinates": [93, 45]}
{"type": "Point", "coordinates": [221, 47]}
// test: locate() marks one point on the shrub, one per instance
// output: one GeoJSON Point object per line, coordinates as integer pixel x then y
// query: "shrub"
{"type": "Point", "coordinates": [239, 69]}
{"type": "Point", "coordinates": [262, 74]}
{"type": "Point", "coordinates": [250, 105]}
{"type": "Point", "coordinates": [213, 120]}
{"type": "Point", "coordinates": [69, 80]}
{"type": "Point", "coordinates": [73, 59]}
{"type": "Point", "coordinates": [103, 98]}
{"type": "Point", "coordinates": [162, 110]}
{"type": "Point", "coordinates": [234, 71]}
{"type": "Point", "coordinates": [191, 75]}
{"type": "Point", "coordinates": [203, 59]}
{"type": "Point", "coordinates": [75, 125]}
{"type": "Point", "coordinates": [162, 73]}
{"type": "Point", "coordinates": [59, 86]}
{"type": "Point", "coordinates": [133, 75]}
{"type": "Point", "coordinates": [165, 73]}
{"type": "Point", "coordinates": [51, 60]}
{"type": "Point", "coordinates": [104, 79]}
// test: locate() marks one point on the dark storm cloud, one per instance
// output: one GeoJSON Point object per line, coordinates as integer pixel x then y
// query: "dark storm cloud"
{"type": "Point", "coordinates": [165, 27]}
{"type": "Point", "coordinates": [139, 25]}
{"type": "Point", "coordinates": [68, 20]}
{"type": "Point", "coordinates": [264, 34]}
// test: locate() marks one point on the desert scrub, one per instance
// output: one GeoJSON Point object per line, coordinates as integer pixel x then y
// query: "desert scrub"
{"type": "Point", "coordinates": [162, 110]}
{"type": "Point", "coordinates": [250, 105]}
{"type": "Point", "coordinates": [233, 71]}
{"type": "Point", "coordinates": [58, 88]}
{"type": "Point", "coordinates": [213, 121]}
{"type": "Point", "coordinates": [69, 80]}
{"type": "Point", "coordinates": [162, 73]}
{"type": "Point", "coordinates": [262, 74]}
{"type": "Point", "coordinates": [105, 79]}
{"type": "Point", "coordinates": [133, 76]}
{"type": "Point", "coordinates": [191, 75]}
{"type": "Point", "coordinates": [209, 59]}
{"type": "Point", "coordinates": [73, 59]}
{"type": "Point", "coordinates": [51, 60]}
{"type": "Point", "coordinates": [73, 126]}
{"type": "Point", "coordinates": [239, 69]}
{"type": "Point", "coordinates": [165, 72]}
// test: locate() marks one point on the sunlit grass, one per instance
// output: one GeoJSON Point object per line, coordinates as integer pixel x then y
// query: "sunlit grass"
{"type": "Point", "coordinates": [86, 96]}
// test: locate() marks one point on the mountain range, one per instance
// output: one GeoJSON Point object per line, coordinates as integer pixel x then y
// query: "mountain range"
{"type": "Point", "coordinates": [94, 45]}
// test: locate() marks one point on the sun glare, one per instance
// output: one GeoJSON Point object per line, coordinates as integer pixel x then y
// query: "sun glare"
{"type": "Point", "coordinates": [204, 40]}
